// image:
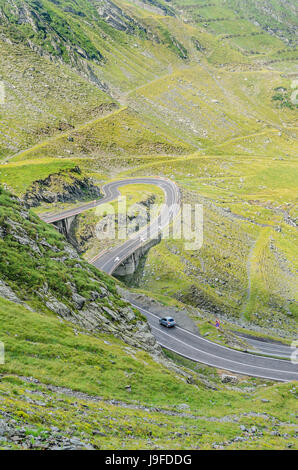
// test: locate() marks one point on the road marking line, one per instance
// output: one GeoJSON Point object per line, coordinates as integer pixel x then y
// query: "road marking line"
{"type": "Point", "coordinates": [219, 357]}
{"type": "Point", "coordinates": [230, 370]}
{"type": "Point", "coordinates": [204, 339]}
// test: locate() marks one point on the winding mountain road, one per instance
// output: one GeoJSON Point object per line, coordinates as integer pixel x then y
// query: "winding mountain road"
{"type": "Point", "coordinates": [179, 340]}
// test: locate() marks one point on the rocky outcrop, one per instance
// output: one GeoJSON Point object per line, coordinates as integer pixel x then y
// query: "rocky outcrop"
{"type": "Point", "coordinates": [118, 19]}
{"type": "Point", "coordinates": [199, 299]}
{"type": "Point", "coordinates": [65, 186]}
{"type": "Point", "coordinates": [54, 439]}
{"type": "Point", "coordinates": [98, 313]}
{"type": "Point", "coordinates": [7, 293]}
{"type": "Point", "coordinates": [115, 16]}
{"type": "Point", "coordinates": [161, 7]}
{"type": "Point", "coordinates": [39, 19]}
{"type": "Point", "coordinates": [39, 267]}
{"type": "Point", "coordinates": [233, 379]}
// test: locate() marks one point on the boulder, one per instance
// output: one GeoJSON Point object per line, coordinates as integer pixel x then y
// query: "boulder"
{"type": "Point", "coordinates": [79, 300]}
{"type": "Point", "coordinates": [225, 378]}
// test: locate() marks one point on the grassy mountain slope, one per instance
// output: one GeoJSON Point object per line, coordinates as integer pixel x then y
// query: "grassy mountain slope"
{"type": "Point", "coordinates": [215, 98]}
{"type": "Point", "coordinates": [253, 27]}
{"type": "Point", "coordinates": [278, 18]}
{"type": "Point", "coordinates": [90, 35]}
{"type": "Point", "coordinates": [200, 92]}
{"type": "Point", "coordinates": [83, 371]}
{"type": "Point", "coordinates": [42, 98]}
{"type": "Point", "coordinates": [207, 106]}
{"type": "Point", "coordinates": [62, 387]}
{"type": "Point", "coordinates": [44, 271]}
{"type": "Point", "coordinates": [122, 132]}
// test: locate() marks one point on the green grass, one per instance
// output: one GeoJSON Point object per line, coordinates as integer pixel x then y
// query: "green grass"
{"type": "Point", "coordinates": [36, 263]}
{"type": "Point", "coordinates": [207, 107]}
{"type": "Point", "coordinates": [121, 133]}
{"type": "Point", "coordinates": [19, 176]}
{"type": "Point", "coordinates": [43, 347]}
{"type": "Point", "coordinates": [42, 99]}
{"type": "Point", "coordinates": [201, 97]}
{"type": "Point", "coordinates": [245, 163]}
{"type": "Point", "coordinates": [257, 191]}
{"type": "Point", "coordinates": [245, 17]}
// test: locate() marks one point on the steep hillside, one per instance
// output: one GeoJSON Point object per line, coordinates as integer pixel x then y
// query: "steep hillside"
{"type": "Point", "coordinates": [40, 270]}
{"type": "Point", "coordinates": [82, 370]}
{"type": "Point", "coordinates": [277, 18]}
{"type": "Point", "coordinates": [100, 40]}
{"type": "Point", "coordinates": [62, 61]}
{"type": "Point", "coordinates": [64, 388]}
{"type": "Point", "coordinates": [203, 93]}
{"type": "Point", "coordinates": [198, 105]}
{"type": "Point", "coordinates": [246, 24]}
{"type": "Point", "coordinates": [42, 98]}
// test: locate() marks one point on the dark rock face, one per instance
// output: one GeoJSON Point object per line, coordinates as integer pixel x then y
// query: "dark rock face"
{"type": "Point", "coordinates": [57, 43]}
{"type": "Point", "coordinates": [119, 20]}
{"type": "Point", "coordinates": [58, 279]}
{"type": "Point", "coordinates": [116, 17]}
{"type": "Point", "coordinates": [166, 9]}
{"type": "Point", "coordinates": [65, 186]}
{"type": "Point", "coordinates": [40, 21]}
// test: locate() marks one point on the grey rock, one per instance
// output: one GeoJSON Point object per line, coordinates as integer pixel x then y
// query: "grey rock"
{"type": "Point", "coordinates": [72, 186]}
{"type": "Point", "coordinates": [54, 428]}
{"type": "Point", "coordinates": [8, 293]}
{"type": "Point", "coordinates": [71, 252]}
{"type": "Point", "coordinates": [183, 406]}
{"type": "Point", "coordinates": [238, 439]}
{"type": "Point", "coordinates": [75, 441]}
{"type": "Point", "coordinates": [79, 300]}
{"type": "Point", "coordinates": [144, 334]}
{"type": "Point", "coordinates": [128, 313]}
{"type": "Point", "coordinates": [94, 295]}
{"type": "Point", "coordinates": [111, 313]}
{"type": "Point", "coordinates": [225, 378]}
{"type": "Point", "coordinates": [58, 307]}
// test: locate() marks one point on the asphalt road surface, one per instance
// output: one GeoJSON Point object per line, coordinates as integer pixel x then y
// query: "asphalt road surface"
{"type": "Point", "coordinates": [268, 348]}
{"type": "Point", "coordinates": [183, 342]}
{"type": "Point", "coordinates": [111, 259]}
{"type": "Point", "coordinates": [196, 348]}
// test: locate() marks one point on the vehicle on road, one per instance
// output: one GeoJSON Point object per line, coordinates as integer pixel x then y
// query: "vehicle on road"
{"type": "Point", "coordinates": [169, 322]}
{"type": "Point", "coordinates": [116, 259]}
